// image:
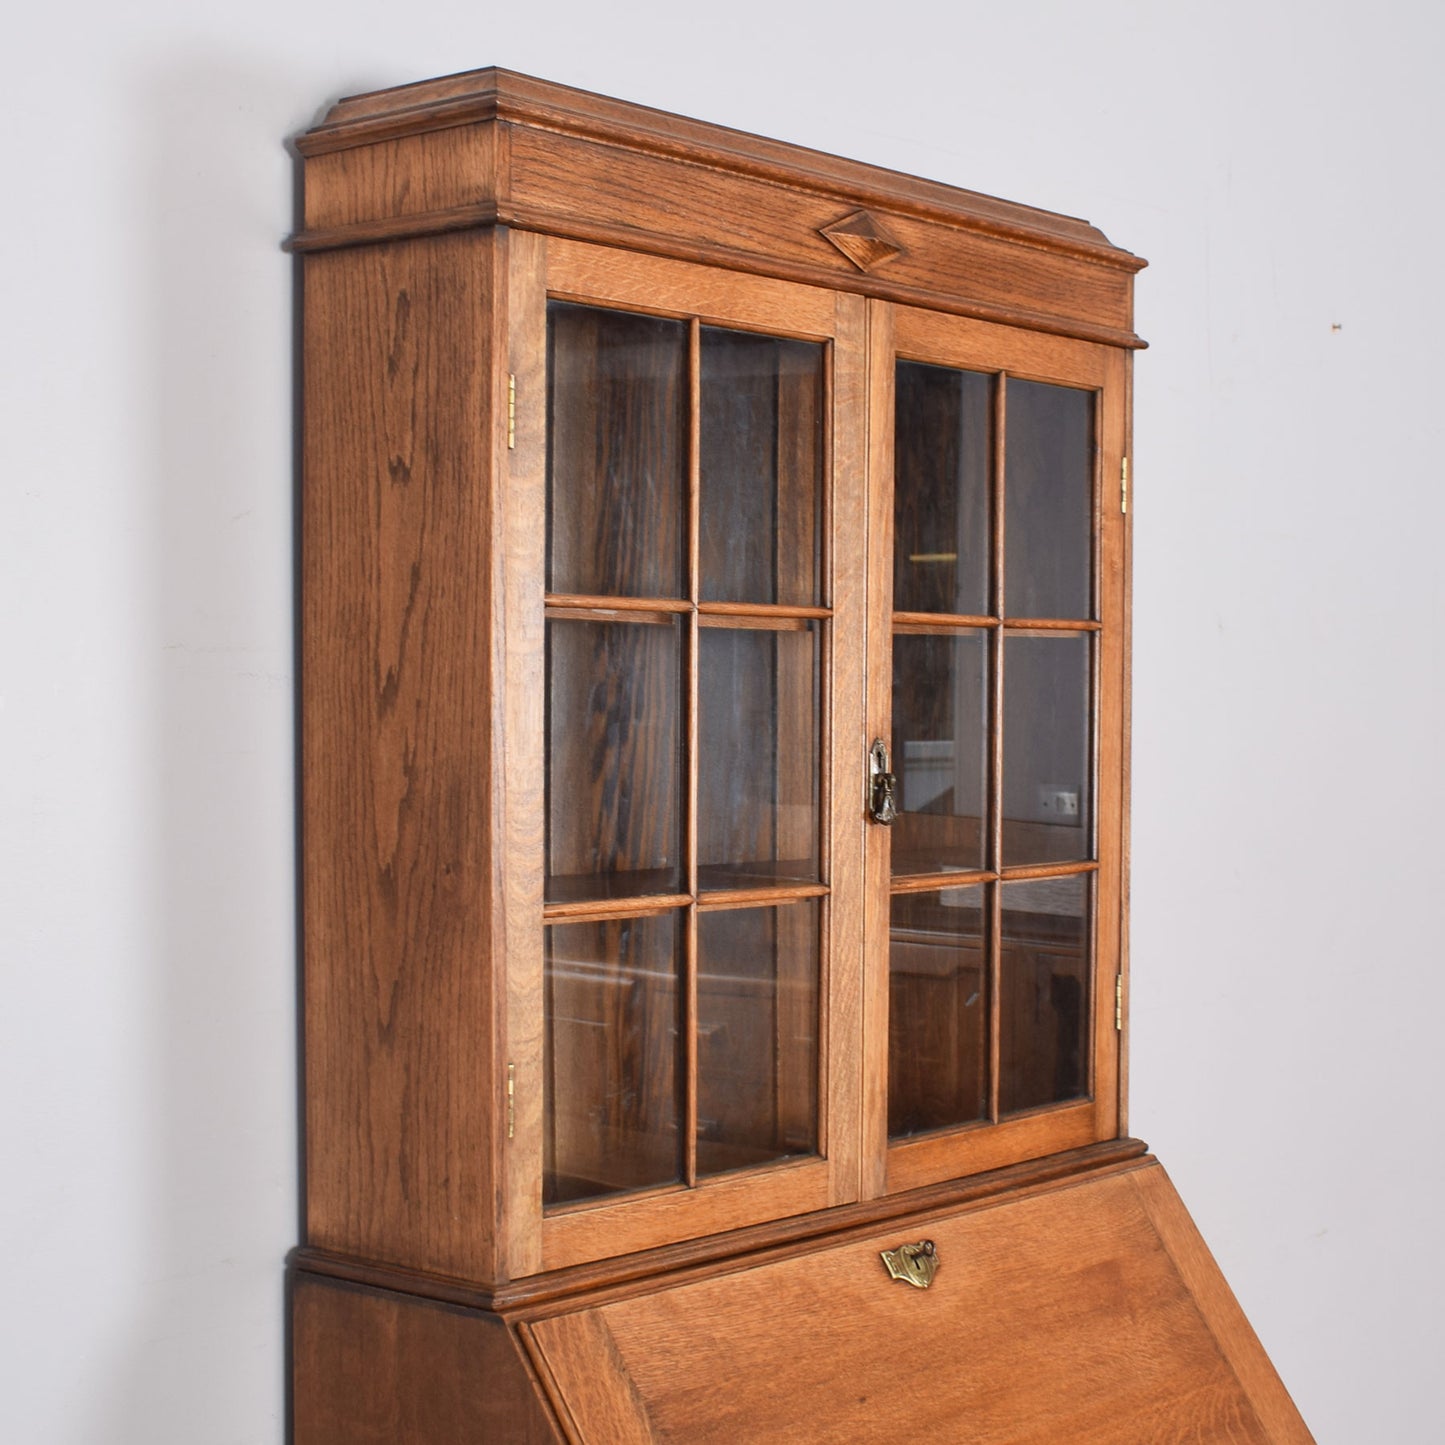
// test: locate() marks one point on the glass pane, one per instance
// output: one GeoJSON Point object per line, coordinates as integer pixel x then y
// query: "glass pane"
{"type": "Point", "coordinates": [757, 756]}
{"type": "Point", "coordinates": [941, 510]}
{"type": "Point", "coordinates": [937, 1011]}
{"type": "Point", "coordinates": [757, 1022]}
{"type": "Point", "coordinates": [616, 453]}
{"type": "Point", "coordinates": [1046, 752]}
{"type": "Point", "coordinates": [1049, 501]}
{"type": "Point", "coordinates": [940, 711]}
{"type": "Point", "coordinates": [761, 461]}
{"type": "Point", "coordinates": [1044, 992]}
{"type": "Point", "coordinates": [612, 1091]}
{"type": "Point", "coordinates": [614, 781]}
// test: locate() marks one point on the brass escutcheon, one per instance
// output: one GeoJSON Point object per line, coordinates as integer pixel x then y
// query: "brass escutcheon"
{"type": "Point", "coordinates": [915, 1264]}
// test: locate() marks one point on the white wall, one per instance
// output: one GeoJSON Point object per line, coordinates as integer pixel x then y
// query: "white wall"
{"type": "Point", "coordinates": [1280, 166]}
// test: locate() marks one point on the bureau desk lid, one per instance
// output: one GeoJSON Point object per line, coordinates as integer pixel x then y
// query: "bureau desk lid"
{"type": "Point", "coordinates": [1086, 1312]}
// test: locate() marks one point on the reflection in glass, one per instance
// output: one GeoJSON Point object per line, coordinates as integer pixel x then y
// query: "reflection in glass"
{"type": "Point", "coordinates": [612, 1090]}
{"type": "Point", "coordinates": [614, 699]}
{"type": "Point", "coordinates": [1048, 501]}
{"type": "Point", "coordinates": [1046, 760]}
{"type": "Point", "coordinates": [758, 762]}
{"type": "Point", "coordinates": [616, 452]}
{"type": "Point", "coordinates": [940, 714]}
{"type": "Point", "coordinates": [761, 466]}
{"type": "Point", "coordinates": [941, 509]}
{"type": "Point", "coordinates": [937, 1011]}
{"type": "Point", "coordinates": [757, 1021]}
{"type": "Point", "coordinates": [1044, 992]}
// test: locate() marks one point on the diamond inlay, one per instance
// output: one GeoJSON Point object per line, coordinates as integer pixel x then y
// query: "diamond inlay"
{"type": "Point", "coordinates": [863, 239]}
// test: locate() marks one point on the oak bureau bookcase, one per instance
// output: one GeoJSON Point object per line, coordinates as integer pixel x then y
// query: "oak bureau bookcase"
{"type": "Point", "coordinates": [714, 739]}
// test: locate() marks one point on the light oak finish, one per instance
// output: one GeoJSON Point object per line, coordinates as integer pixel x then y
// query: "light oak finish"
{"type": "Point", "coordinates": [501, 748]}
{"type": "Point", "coordinates": [1065, 1314]}
{"type": "Point", "coordinates": [398, 744]}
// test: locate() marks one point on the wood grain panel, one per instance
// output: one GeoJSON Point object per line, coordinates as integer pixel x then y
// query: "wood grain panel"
{"type": "Point", "coordinates": [845, 1064]}
{"type": "Point", "coordinates": [411, 176]}
{"type": "Point", "coordinates": [395, 755]}
{"type": "Point", "coordinates": [372, 1368]}
{"type": "Point", "coordinates": [1060, 1316]}
{"type": "Point", "coordinates": [589, 1385]}
{"type": "Point", "coordinates": [518, 720]}
{"type": "Point", "coordinates": [672, 207]}
{"type": "Point", "coordinates": [493, 93]}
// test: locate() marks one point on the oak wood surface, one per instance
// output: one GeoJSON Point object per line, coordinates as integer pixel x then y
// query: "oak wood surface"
{"type": "Point", "coordinates": [493, 92]}
{"type": "Point", "coordinates": [440, 220]}
{"type": "Point", "coordinates": [707, 1254]}
{"type": "Point", "coordinates": [376, 1368]}
{"type": "Point", "coordinates": [518, 648]}
{"type": "Point", "coordinates": [397, 846]}
{"type": "Point", "coordinates": [1061, 1315]}
{"type": "Point", "coordinates": [497, 147]}
{"type": "Point", "coordinates": [593, 278]}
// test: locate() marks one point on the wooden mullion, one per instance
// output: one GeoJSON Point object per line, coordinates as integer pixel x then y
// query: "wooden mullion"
{"type": "Point", "coordinates": [993, 941]}
{"type": "Point", "coordinates": [694, 591]}
{"type": "Point", "coordinates": [843, 1064]}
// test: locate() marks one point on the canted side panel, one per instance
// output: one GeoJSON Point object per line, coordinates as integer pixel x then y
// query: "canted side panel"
{"type": "Point", "coordinates": [373, 1368]}
{"type": "Point", "coordinates": [399, 1067]}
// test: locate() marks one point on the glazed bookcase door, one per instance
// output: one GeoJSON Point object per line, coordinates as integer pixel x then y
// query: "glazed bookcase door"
{"type": "Point", "coordinates": [996, 657]}
{"type": "Point", "coordinates": [685, 900]}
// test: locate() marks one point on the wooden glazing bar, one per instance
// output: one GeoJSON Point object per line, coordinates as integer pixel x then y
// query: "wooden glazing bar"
{"type": "Point", "coordinates": [588, 910]}
{"type": "Point", "coordinates": [937, 621]}
{"type": "Point", "coordinates": [615, 614]}
{"type": "Point", "coordinates": [571, 602]}
{"type": "Point", "coordinates": [1096, 514]}
{"type": "Point", "coordinates": [761, 610]}
{"type": "Point", "coordinates": [759, 897]}
{"type": "Point", "coordinates": [827, 594]}
{"type": "Point", "coordinates": [993, 964]}
{"type": "Point", "coordinates": [1025, 871]}
{"type": "Point", "coordinates": [694, 642]}
{"type": "Point", "coordinates": [993, 958]}
{"type": "Point", "coordinates": [755, 623]}
{"type": "Point", "coordinates": [1026, 625]}
{"type": "Point", "coordinates": [689, 1034]}
{"type": "Point", "coordinates": [931, 882]}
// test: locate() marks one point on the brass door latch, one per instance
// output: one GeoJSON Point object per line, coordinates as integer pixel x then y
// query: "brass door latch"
{"type": "Point", "coordinates": [882, 785]}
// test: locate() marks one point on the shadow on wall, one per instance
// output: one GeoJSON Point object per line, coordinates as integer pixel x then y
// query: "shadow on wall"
{"type": "Point", "coordinates": [212, 401]}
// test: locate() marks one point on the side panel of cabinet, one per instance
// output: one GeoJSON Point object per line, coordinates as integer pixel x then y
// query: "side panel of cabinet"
{"type": "Point", "coordinates": [400, 1061]}
{"type": "Point", "coordinates": [373, 1368]}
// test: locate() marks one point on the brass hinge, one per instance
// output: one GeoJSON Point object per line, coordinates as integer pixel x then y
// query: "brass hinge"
{"type": "Point", "coordinates": [1119, 1002]}
{"type": "Point", "coordinates": [1124, 486]}
{"type": "Point", "coordinates": [511, 410]}
{"type": "Point", "coordinates": [511, 1101]}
